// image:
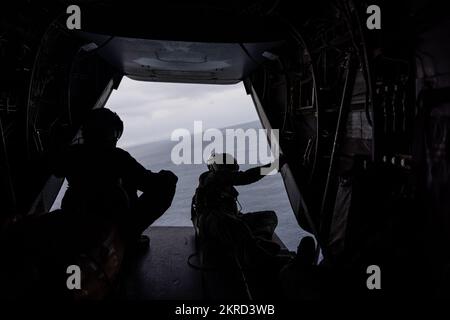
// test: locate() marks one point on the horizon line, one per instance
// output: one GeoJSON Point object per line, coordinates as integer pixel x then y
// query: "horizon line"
{"type": "Point", "coordinates": [162, 140]}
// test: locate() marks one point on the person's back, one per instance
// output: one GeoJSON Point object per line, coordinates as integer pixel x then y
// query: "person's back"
{"type": "Point", "coordinates": [216, 193]}
{"type": "Point", "coordinates": [94, 177]}
{"type": "Point", "coordinates": [218, 184]}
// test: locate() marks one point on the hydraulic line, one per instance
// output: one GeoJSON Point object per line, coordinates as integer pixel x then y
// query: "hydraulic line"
{"type": "Point", "coordinates": [348, 84]}
{"type": "Point", "coordinates": [32, 80]}
{"type": "Point", "coordinates": [363, 58]}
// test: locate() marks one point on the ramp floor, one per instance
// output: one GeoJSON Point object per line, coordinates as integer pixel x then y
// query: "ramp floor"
{"type": "Point", "coordinates": [163, 272]}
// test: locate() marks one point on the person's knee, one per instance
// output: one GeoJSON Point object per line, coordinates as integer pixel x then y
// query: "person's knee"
{"type": "Point", "coordinates": [161, 197]}
{"type": "Point", "coordinates": [167, 187]}
{"type": "Point", "coordinates": [167, 196]}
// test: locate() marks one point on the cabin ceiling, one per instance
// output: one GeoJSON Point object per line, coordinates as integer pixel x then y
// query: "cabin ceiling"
{"type": "Point", "coordinates": [179, 61]}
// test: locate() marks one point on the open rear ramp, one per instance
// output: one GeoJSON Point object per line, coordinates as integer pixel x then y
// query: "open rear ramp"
{"type": "Point", "coordinates": [163, 272]}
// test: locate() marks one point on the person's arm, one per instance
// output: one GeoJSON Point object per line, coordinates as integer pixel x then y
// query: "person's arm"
{"type": "Point", "coordinates": [144, 179]}
{"type": "Point", "coordinates": [254, 174]}
{"type": "Point", "coordinates": [249, 176]}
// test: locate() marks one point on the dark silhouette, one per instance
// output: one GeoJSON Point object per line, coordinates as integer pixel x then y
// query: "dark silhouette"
{"type": "Point", "coordinates": [217, 214]}
{"type": "Point", "coordinates": [299, 279]}
{"type": "Point", "coordinates": [101, 217]}
{"type": "Point", "coordinates": [104, 179]}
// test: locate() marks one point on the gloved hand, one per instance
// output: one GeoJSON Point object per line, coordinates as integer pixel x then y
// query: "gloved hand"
{"type": "Point", "coordinates": [281, 161]}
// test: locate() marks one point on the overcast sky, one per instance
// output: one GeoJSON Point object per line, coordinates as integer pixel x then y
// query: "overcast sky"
{"type": "Point", "coordinates": [151, 110]}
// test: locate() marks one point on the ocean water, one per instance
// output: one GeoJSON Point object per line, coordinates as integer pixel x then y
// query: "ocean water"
{"type": "Point", "coordinates": [267, 194]}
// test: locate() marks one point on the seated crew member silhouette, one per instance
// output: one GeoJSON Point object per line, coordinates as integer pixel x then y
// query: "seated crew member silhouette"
{"type": "Point", "coordinates": [104, 179]}
{"type": "Point", "coordinates": [217, 215]}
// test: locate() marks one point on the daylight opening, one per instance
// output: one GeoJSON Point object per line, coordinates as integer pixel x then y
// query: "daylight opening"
{"type": "Point", "coordinates": [153, 111]}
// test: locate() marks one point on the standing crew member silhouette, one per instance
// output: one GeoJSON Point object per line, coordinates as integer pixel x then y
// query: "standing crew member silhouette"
{"type": "Point", "coordinates": [104, 179]}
